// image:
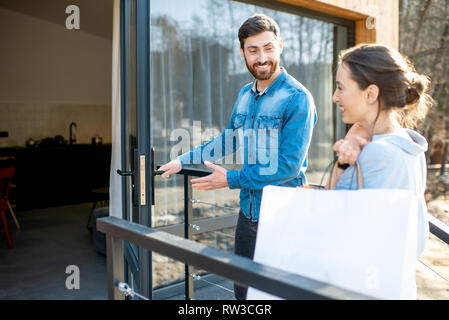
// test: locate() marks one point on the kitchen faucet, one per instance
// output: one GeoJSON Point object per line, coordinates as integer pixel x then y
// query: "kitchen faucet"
{"type": "Point", "coordinates": [72, 139]}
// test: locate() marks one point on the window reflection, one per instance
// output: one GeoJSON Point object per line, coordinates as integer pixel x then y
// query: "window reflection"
{"type": "Point", "coordinates": [196, 73]}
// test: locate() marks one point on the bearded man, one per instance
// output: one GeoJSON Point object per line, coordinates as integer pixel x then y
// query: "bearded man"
{"type": "Point", "coordinates": [277, 115]}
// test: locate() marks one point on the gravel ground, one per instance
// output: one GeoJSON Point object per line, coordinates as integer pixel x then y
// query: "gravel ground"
{"type": "Point", "coordinates": [430, 284]}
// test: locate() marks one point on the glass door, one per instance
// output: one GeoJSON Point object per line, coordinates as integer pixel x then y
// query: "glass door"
{"type": "Point", "coordinates": [182, 70]}
{"type": "Point", "coordinates": [136, 155]}
{"type": "Point", "coordinates": [196, 73]}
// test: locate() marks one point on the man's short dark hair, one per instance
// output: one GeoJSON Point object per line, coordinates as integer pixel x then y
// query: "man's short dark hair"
{"type": "Point", "coordinates": [256, 24]}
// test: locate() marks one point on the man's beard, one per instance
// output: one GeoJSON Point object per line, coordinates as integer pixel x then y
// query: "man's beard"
{"type": "Point", "coordinates": [263, 75]}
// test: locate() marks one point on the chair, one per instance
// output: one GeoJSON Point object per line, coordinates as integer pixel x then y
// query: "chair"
{"type": "Point", "coordinates": [9, 162]}
{"type": "Point", "coordinates": [5, 184]}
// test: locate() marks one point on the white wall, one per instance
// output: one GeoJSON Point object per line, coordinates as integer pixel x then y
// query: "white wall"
{"type": "Point", "coordinates": [51, 76]}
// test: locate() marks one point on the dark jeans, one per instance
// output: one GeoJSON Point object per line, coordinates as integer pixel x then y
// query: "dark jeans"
{"type": "Point", "coordinates": [245, 244]}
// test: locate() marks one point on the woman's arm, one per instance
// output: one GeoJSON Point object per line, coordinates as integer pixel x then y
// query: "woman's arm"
{"type": "Point", "coordinates": [348, 150]}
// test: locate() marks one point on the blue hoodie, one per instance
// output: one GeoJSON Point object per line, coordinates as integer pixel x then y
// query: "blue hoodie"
{"type": "Point", "coordinates": [394, 161]}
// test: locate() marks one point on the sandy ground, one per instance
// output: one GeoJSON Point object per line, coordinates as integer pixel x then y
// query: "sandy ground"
{"type": "Point", "coordinates": [436, 255]}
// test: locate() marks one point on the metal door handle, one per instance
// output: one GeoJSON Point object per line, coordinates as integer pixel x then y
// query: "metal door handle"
{"type": "Point", "coordinates": [158, 172]}
{"type": "Point", "coordinates": [153, 173]}
{"type": "Point", "coordinates": [125, 173]}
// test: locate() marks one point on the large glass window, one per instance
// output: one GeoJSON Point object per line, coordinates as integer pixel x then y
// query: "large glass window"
{"type": "Point", "coordinates": [196, 73]}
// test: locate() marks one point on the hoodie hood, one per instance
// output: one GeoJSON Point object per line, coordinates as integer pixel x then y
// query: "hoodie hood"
{"type": "Point", "coordinates": [416, 145]}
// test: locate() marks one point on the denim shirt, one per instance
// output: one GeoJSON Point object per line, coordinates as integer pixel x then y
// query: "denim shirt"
{"type": "Point", "coordinates": [271, 133]}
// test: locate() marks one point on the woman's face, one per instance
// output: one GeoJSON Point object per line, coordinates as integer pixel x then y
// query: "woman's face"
{"type": "Point", "coordinates": [356, 105]}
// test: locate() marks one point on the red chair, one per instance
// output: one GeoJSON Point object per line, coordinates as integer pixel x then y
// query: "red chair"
{"type": "Point", "coordinates": [5, 184]}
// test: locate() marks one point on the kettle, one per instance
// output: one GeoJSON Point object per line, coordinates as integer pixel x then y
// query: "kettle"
{"type": "Point", "coordinates": [97, 140]}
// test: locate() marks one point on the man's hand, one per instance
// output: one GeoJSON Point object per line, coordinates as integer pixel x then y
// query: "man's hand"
{"type": "Point", "coordinates": [170, 168]}
{"type": "Point", "coordinates": [214, 181]}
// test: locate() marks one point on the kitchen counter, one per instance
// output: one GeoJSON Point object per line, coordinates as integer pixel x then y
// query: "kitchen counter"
{"type": "Point", "coordinates": [58, 175]}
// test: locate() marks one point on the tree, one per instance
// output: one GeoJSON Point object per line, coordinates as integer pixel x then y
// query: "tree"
{"type": "Point", "coordinates": [424, 38]}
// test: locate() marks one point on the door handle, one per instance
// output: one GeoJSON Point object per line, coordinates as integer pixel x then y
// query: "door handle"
{"type": "Point", "coordinates": [154, 173]}
{"type": "Point", "coordinates": [133, 176]}
{"type": "Point", "coordinates": [125, 173]}
{"type": "Point", "coordinates": [158, 172]}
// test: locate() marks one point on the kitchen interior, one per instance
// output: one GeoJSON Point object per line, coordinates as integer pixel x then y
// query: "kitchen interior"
{"type": "Point", "coordinates": [55, 131]}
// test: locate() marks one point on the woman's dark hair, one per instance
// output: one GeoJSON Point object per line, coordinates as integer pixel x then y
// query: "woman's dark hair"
{"type": "Point", "coordinates": [401, 88]}
{"type": "Point", "coordinates": [256, 24]}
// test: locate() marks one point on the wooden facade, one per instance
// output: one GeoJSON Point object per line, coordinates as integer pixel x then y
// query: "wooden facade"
{"type": "Point", "coordinates": [385, 31]}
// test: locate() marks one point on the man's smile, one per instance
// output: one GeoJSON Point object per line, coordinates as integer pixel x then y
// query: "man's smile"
{"type": "Point", "coordinates": [263, 67]}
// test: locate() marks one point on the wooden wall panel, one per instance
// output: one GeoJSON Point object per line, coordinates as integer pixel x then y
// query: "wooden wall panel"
{"type": "Point", "coordinates": [386, 11]}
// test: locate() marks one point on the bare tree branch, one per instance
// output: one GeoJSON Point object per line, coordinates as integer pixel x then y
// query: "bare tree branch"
{"type": "Point", "coordinates": [433, 51]}
{"type": "Point", "coordinates": [422, 16]}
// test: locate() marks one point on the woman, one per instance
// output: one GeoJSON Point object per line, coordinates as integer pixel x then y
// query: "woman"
{"type": "Point", "coordinates": [379, 91]}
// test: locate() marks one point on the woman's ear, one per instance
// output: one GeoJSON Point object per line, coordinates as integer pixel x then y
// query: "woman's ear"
{"type": "Point", "coordinates": [372, 93]}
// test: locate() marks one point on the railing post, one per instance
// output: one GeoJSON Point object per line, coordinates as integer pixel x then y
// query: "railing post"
{"type": "Point", "coordinates": [188, 215]}
{"type": "Point", "coordinates": [115, 268]}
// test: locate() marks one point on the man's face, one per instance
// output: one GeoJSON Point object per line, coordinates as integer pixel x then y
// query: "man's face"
{"type": "Point", "coordinates": [262, 53]}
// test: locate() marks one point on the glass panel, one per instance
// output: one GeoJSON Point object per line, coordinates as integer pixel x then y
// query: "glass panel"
{"type": "Point", "coordinates": [217, 203]}
{"type": "Point", "coordinates": [196, 72]}
{"type": "Point", "coordinates": [166, 271]}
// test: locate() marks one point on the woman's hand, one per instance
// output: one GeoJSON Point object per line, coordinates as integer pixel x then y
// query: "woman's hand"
{"type": "Point", "coordinates": [349, 148]}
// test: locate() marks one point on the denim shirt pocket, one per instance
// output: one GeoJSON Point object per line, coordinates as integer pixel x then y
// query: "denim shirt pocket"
{"type": "Point", "coordinates": [239, 120]}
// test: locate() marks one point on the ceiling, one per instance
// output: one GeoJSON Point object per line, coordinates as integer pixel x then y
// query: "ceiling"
{"type": "Point", "coordinates": [95, 15]}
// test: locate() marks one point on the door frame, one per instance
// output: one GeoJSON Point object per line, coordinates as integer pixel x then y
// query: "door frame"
{"type": "Point", "coordinates": [143, 262]}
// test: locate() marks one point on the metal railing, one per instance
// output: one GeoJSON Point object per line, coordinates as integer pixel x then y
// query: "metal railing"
{"type": "Point", "coordinates": [239, 269]}
{"type": "Point", "coordinates": [438, 228]}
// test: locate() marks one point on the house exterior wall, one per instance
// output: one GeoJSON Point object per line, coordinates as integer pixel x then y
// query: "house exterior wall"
{"type": "Point", "coordinates": [386, 30]}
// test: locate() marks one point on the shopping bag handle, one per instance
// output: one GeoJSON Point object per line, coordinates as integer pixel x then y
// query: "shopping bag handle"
{"type": "Point", "coordinates": [358, 173]}
{"type": "Point", "coordinates": [332, 176]}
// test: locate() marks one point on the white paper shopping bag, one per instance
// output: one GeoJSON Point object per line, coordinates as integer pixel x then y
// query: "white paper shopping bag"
{"type": "Point", "coordinates": [363, 240]}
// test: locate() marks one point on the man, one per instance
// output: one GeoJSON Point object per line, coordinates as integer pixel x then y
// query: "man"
{"type": "Point", "coordinates": [274, 109]}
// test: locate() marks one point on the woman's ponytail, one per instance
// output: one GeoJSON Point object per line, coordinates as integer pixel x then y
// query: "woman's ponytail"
{"type": "Point", "coordinates": [418, 100]}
